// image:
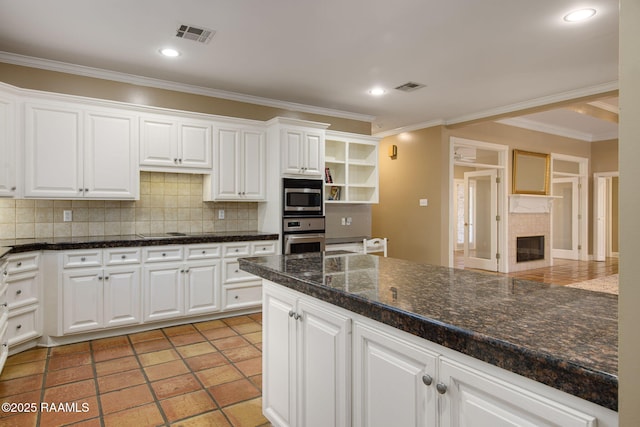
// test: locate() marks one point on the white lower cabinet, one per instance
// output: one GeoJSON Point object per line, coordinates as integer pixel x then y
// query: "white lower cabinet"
{"type": "Point", "coordinates": [306, 378]}
{"type": "Point", "coordinates": [390, 377]}
{"type": "Point", "coordinates": [100, 298]}
{"type": "Point", "coordinates": [397, 379]}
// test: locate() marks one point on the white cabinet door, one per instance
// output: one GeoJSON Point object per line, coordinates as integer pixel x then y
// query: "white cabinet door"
{"type": "Point", "coordinates": [158, 141]}
{"type": "Point", "coordinates": [121, 296]}
{"type": "Point", "coordinates": [110, 166]}
{"type": "Point", "coordinates": [227, 154]}
{"type": "Point", "coordinates": [306, 376]}
{"type": "Point", "coordinates": [194, 145]}
{"type": "Point", "coordinates": [82, 300]}
{"type": "Point", "coordinates": [253, 165]}
{"type": "Point", "coordinates": [7, 147]}
{"type": "Point", "coordinates": [163, 291]}
{"type": "Point", "coordinates": [278, 336]}
{"type": "Point", "coordinates": [302, 152]}
{"type": "Point", "coordinates": [477, 399]}
{"type": "Point", "coordinates": [53, 151]}
{"type": "Point", "coordinates": [323, 355]}
{"type": "Point", "coordinates": [202, 287]}
{"type": "Point", "coordinates": [390, 381]}
{"type": "Point", "coordinates": [174, 142]}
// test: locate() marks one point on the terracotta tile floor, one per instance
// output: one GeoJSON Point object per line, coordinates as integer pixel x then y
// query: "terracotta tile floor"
{"type": "Point", "coordinates": [200, 374]}
{"type": "Point", "coordinates": [563, 271]}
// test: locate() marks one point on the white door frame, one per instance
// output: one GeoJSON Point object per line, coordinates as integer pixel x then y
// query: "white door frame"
{"type": "Point", "coordinates": [602, 214]}
{"type": "Point", "coordinates": [572, 253]}
{"type": "Point", "coordinates": [489, 263]}
{"type": "Point", "coordinates": [583, 174]}
{"type": "Point", "coordinates": [503, 225]}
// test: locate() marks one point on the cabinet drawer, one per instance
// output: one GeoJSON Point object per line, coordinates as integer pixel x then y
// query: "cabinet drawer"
{"type": "Point", "coordinates": [21, 263]}
{"type": "Point", "coordinates": [263, 248]}
{"type": "Point", "coordinates": [249, 295]}
{"type": "Point", "coordinates": [236, 249]}
{"type": "Point", "coordinates": [122, 256]}
{"type": "Point", "coordinates": [75, 259]}
{"type": "Point", "coordinates": [22, 290]}
{"type": "Point", "coordinates": [23, 326]}
{"type": "Point", "coordinates": [232, 273]}
{"type": "Point", "coordinates": [203, 251]}
{"type": "Point", "coordinates": [163, 253]}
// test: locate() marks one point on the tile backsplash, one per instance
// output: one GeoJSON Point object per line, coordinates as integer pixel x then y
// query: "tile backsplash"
{"type": "Point", "coordinates": [168, 202]}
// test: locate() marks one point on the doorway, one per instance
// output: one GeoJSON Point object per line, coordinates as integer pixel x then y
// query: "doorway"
{"type": "Point", "coordinates": [478, 194]}
{"type": "Point", "coordinates": [605, 201]}
{"type": "Point", "coordinates": [569, 211]}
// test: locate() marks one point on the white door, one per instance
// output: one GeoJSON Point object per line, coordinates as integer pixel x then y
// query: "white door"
{"type": "Point", "coordinates": [227, 158]}
{"type": "Point", "coordinates": [53, 151]}
{"type": "Point", "coordinates": [475, 399]}
{"type": "Point", "coordinates": [110, 158]}
{"type": "Point", "coordinates": [278, 332]}
{"type": "Point", "coordinates": [394, 381]}
{"type": "Point", "coordinates": [164, 297]}
{"type": "Point", "coordinates": [121, 296]}
{"type": "Point", "coordinates": [158, 142]}
{"type": "Point", "coordinates": [292, 151]}
{"type": "Point", "coordinates": [600, 201]}
{"type": "Point", "coordinates": [323, 344]}
{"type": "Point", "coordinates": [7, 148]}
{"type": "Point", "coordinates": [253, 165]}
{"type": "Point", "coordinates": [195, 145]}
{"type": "Point", "coordinates": [481, 226]}
{"type": "Point", "coordinates": [565, 218]}
{"type": "Point", "coordinates": [313, 154]}
{"type": "Point", "coordinates": [202, 287]}
{"type": "Point", "coordinates": [82, 300]}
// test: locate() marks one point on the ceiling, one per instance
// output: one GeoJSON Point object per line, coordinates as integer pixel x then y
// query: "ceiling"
{"type": "Point", "coordinates": [476, 58]}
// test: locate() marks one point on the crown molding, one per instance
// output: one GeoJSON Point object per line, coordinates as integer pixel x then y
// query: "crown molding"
{"type": "Point", "coordinates": [98, 73]}
{"type": "Point", "coordinates": [557, 130]}
{"type": "Point", "coordinates": [410, 128]}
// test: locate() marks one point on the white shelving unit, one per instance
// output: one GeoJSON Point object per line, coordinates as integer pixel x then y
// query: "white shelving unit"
{"type": "Point", "coordinates": [352, 161]}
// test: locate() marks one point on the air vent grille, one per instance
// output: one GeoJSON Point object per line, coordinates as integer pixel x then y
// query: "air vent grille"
{"type": "Point", "coordinates": [410, 86]}
{"type": "Point", "coordinates": [201, 35]}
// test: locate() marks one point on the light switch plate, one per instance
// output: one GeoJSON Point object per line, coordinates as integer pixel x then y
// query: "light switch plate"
{"type": "Point", "coordinates": [424, 202]}
{"type": "Point", "coordinates": [220, 213]}
{"type": "Point", "coordinates": [67, 216]}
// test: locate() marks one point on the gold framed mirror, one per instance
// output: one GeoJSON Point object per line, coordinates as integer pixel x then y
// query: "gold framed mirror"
{"type": "Point", "coordinates": [530, 173]}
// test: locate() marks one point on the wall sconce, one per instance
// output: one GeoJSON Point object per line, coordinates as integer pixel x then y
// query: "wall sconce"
{"type": "Point", "coordinates": [393, 151]}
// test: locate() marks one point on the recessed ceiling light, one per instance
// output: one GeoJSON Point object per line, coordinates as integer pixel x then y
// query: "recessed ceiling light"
{"type": "Point", "coordinates": [579, 15]}
{"type": "Point", "coordinates": [377, 91]}
{"type": "Point", "coordinates": [169, 52]}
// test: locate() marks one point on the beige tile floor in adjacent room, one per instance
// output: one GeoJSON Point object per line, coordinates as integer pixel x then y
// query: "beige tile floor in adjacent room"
{"type": "Point", "coordinates": [200, 374]}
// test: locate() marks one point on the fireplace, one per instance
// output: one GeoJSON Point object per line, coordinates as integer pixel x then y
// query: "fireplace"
{"type": "Point", "coordinates": [529, 248]}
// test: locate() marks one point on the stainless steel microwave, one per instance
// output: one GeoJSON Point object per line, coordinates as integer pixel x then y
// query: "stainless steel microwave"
{"type": "Point", "coordinates": [302, 197]}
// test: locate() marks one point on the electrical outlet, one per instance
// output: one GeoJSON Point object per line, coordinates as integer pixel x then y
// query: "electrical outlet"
{"type": "Point", "coordinates": [348, 220]}
{"type": "Point", "coordinates": [67, 216]}
{"type": "Point", "coordinates": [343, 221]}
{"type": "Point", "coordinates": [220, 213]}
{"type": "Point", "coordinates": [424, 202]}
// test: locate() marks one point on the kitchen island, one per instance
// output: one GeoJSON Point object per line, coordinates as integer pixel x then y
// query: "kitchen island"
{"type": "Point", "coordinates": [562, 337]}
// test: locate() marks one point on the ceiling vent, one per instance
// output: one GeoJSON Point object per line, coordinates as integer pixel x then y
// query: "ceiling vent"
{"type": "Point", "coordinates": [189, 32]}
{"type": "Point", "coordinates": [410, 86]}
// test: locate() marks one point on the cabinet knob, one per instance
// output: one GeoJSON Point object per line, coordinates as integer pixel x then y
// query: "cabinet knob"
{"type": "Point", "coordinates": [163, 254]}
{"type": "Point", "coordinates": [237, 250]}
{"type": "Point", "coordinates": [175, 161]}
{"type": "Point", "coordinates": [291, 313]}
{"type": "Point", "coordinates": [442, 389]}
{"type": "Point", "coordinates": [80, 190]}
{"type": "Point", "coordinates": [106, 277]}
{"type": "Point", "coordinates": [123, 257]}
{"type": "Point", "coordinates": [19, 291]}
{"type": "Point", "coordinates": [13, 188]}
{"type": "Point", "coordinates": [19, 264]}
{"type": "Point", "coordinates": [86, 190]}
{"type": "Point", "coordinates": [426, 379]}
{"type": "Point", "coordinates": [179, 160]}
{"type": "Point", "coordinates": [236, 297]}
{"type": "Point", "coordinates": [83, 259]}
{"type": "Point", "coordinates": [204, 252]}
{"type": "Point", "coordinates": [99, 277]}
{"type": "Point", "coordinates": [18, 326]}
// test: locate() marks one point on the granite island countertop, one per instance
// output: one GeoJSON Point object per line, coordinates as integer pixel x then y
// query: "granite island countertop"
{"type": "Point", "coordinates": [563, 337]}
{"type": "Point", "coordinates": [129, 240]}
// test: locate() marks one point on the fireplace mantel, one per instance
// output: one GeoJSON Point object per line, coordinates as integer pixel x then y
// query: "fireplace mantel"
{"type": "Point", "coordinates": [530, 203]}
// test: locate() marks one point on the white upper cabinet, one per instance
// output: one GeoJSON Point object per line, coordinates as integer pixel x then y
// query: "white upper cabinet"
{"type": "Point", "coordinates": [240, 164]}
{"type": "Point", "coordinates": [8, 186]}
{"type": "Point", "coordinates": [173, 143]}
{"type": "Point", "coordinates": [302, 152]}
{"type": "Point", "coordinates": [75, 152]}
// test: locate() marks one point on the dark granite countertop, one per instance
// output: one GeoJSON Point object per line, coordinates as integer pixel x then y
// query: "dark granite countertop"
{"type": "Point", "coordinates": [564, 337]}
{"type": "Point", "coordinates": [88, 242]}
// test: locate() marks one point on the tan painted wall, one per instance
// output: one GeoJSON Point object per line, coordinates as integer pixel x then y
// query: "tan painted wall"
{"type": "Point", "coordinates": [629, 315]}
{"type": "Point", "coordinates": [414, 232]}
{"type": "Point", "coordinates": [51, 81]}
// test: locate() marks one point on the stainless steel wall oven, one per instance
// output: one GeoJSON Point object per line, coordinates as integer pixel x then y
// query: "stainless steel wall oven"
{"type": "Point", "coordinates": [303, 224]}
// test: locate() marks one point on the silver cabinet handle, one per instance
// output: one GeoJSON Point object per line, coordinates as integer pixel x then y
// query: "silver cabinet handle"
{"type": "Point", "coordinates": [426, 379]}
{"type": "Point", "coordinates": [442, 389]}
{"type": "Point", "coordinates": [19, 291]}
